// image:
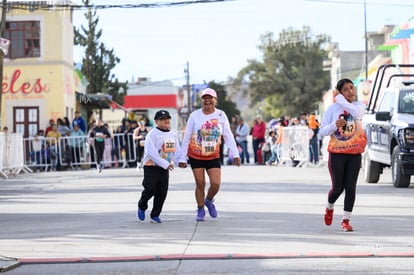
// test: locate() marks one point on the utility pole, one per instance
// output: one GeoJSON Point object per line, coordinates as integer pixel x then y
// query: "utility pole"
{"type": "Point", "coordinates": [2, 28]}
{"type": "Point", "coordinates": [366, 40]}
{"type": "Point", "coordinates": [187, 78]}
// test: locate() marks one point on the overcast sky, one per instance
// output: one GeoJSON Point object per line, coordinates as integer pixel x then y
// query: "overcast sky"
{"type": "Point", "coordinates": [217, 39]}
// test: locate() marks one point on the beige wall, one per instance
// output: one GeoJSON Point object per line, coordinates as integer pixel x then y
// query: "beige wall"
{"type": "Point", "coordinates": [47, 81]}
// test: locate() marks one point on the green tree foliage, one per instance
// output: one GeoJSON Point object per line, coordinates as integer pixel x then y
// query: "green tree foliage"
{"type": "Point", "coordinates": [229, 107]}
{"type": "Point", "coordinates": [98, 60]}
{"type": "Point", "coordinates": [290, 79]}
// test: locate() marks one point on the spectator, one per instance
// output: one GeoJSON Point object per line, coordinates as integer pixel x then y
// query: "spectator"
{"type": "Point", "coordinates": [76, 143]}
{"type": "Point", "coordinates": [46, 155]}
{"type": "Point", "coordinates": [273, 148]}
{"type": "Point", "coordinates": [78, 120]}
{"type": "Point", "coordinates": [49, 128]}
{"type": "Point", "coordinates": [53, 137]}
{"type": "Point", "coordinates": [130, 144]}
{"type": "Point", "coordinates": [258, 136]}
{"type": "Point", "coordinates": [118, 145]}
{"type": "Point", "coordinates": [234, 123]}
{"type": "Point", "coordinates": [67, 123]}
{"type": "Point", "coordinates": [37, 147]}
{"type": "Point", "coordinates": [139, 136]}
{"type": "Point", "coordinates": [108, 149]}
{"type": "Point", "coordinates": [66, 152]}
{"type": "Point", "coordinates": [313, 125]}
{"type": "Point", "coordinates": [241, 133]}
{"type": "Point", "coordinates": [61, 127]}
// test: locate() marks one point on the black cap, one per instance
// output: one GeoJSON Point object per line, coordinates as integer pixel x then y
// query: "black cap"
{"type": "Point", "coordinates": [161, 114]}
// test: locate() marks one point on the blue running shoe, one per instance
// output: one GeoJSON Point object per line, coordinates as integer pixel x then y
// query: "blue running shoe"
{"type": "Point", "coordinates": [141, 214]}
{"type": "Point", "coordinates": [201, 213]}
{"type": "Point", "coordinates": [155, 220]}
{"type": "Point", "coordinates": [211, 208]}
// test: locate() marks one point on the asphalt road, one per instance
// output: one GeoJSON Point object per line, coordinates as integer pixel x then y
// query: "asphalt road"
{"type": "Point", "coordinates": [270, 221]}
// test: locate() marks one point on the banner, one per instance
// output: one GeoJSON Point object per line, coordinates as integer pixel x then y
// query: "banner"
{"type": "Point", "coordinates": [12, 154]}
{"type": "Point", "coordinates": [295, 143]}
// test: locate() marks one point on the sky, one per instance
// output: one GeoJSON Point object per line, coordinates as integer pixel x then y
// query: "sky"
{"type": "Point", "coordinates": [216, 40]}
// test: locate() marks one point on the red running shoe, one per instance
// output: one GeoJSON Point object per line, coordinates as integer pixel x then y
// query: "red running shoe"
{"type": "Point", "coordinates": [346, 226]}
{"type": "Point", "coordinates": [328, 216]}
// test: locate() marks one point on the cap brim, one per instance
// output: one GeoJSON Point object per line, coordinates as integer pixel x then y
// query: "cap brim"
{"type": "Point", "coordinates": [163, 117]}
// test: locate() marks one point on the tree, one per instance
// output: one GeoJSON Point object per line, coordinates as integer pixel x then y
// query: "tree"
{"type": "Point", "coordinates": [98, 61]}
{"type": "Point", "coordinates": [229, 107]}
{"type": "Point", "coordinates": [290, 79]}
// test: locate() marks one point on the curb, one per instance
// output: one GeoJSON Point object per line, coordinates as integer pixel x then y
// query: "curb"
{"type": "Point", "coordinates": [174, 257]}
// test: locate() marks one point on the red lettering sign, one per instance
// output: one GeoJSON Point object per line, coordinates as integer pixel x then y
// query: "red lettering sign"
{"type": "Point", "coordinates": [15, 85]}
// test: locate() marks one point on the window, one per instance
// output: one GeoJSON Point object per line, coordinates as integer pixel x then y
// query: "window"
{"type": "Point", "coordinates": [407, 101]}
{"type": "Point", "coordinates": [26, 120]}
{"type": "Point", "coordinates": [387, 102]}
{"type": "Point", "coordinates": [24, 39]}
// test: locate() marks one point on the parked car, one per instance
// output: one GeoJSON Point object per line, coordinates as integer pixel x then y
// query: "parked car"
{"type": "Point", "coordinates": [389, 125]}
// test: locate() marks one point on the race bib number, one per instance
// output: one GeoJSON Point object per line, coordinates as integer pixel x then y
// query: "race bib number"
{"type": "Point", "coordinates": [208, 147]}
{"type": "Point", "coordinates": [169, 145]}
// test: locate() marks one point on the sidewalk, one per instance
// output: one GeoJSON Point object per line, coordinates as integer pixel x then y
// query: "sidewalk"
{"type": "Point", "coordinates": [263, 213]}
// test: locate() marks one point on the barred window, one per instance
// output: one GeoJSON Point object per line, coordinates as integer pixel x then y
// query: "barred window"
{"type": "Point", "coordinates": [24, 39]}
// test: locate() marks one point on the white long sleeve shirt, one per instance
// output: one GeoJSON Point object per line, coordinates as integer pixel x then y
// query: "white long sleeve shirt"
{"type": "Point", "coordinates": [161, 148]}
{"type": "Point", "coordinates": [203, 134]}
{"type": "Point", "coordinates": [351, 138]}
{"type": "Point", "coordinates": [336, 110]}
{"type": "Point", "coordinates": [242, 132]}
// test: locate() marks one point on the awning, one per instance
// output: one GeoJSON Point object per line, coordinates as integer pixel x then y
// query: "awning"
{"type": "Point", "coordinates": [403, 34]}
{"type": "Point", "coordinates": [94, 101]}
{"type": "Point", "coordinates": [114, 105]}
{"type": "Point", "coordinates": [386, 47]}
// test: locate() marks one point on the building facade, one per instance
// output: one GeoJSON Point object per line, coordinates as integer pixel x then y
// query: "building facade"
{"type": "Point", "coordinates": [39, 80]}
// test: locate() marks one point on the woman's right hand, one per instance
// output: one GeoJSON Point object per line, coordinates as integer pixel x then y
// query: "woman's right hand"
{"type": "Point", "coordinates": [340, 123]}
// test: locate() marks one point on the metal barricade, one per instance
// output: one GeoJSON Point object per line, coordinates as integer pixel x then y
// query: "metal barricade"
{"type": "Point", "coordinates": [41, 153]}
{"type": "Point", "coordinates": [77, 152]}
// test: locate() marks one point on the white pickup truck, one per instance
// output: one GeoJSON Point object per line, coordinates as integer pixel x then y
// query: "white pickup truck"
{"type": "Point", "coordinates": [389, 125]}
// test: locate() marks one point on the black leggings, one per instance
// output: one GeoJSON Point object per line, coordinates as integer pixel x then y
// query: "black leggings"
{"type": "Point", "coordinates": [344, 169]}
{"type": "Point", "coordinates": [99, 150]}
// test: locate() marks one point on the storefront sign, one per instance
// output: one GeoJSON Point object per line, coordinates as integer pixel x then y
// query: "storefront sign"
{"type": "Point", "coordinates": [16, 85]}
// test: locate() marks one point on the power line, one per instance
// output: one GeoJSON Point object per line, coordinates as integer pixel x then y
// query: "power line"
{"type": "Point", "coordinates": [43, 5]}
{"type": "Point", "coordinates": [359, 2]}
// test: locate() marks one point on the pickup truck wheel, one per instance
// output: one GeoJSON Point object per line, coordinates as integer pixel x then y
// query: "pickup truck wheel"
{"type": "Point", "coordinates": [372, 170]}
{"type": "Point", "coordinates": [398, 178]}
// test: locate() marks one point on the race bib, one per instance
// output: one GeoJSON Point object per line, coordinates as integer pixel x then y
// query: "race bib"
{"type": "Point", "coordinates": [208, 147]}
{"type": "Point", "coordinates": [169, 145]}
